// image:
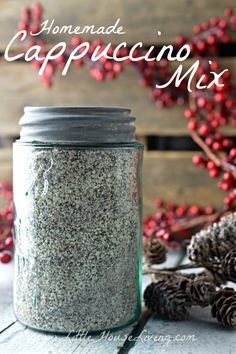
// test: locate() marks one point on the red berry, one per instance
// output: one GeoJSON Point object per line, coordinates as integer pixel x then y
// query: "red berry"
{"type": "Point", "coordinates": [171, 206]}
{"type": "Point", "coordinates": [220, 97]}
{"type": "Point", "coordinates": [201, 46]}
{"type": "Point", "coordinates": [194, 210]}
{"type": "Point", "coordinates": [117, 68]}
{"type": "Point", "coordinates": [189, 113]}
{"type": "Point", "coordinates": [228, 12]}
{"type": "Point", "coordinates": [205, 26]}
{"type": "Point", "coordinates": [2, 246]}
{"type": "Point", "coordinates": [228, 201]}
{"type": "Point", "coordinates": [26, 15]}
{"type": "Point", "coordinates": [49, 70]}
{"type": "Point", "coordinates": [217, 146]}
{"type": "Point", "coordinates": [38, 9]}
{"type": "Point", "coordinates": [214, 21]}
{"type": "Point", "coordinates": [223, 24]}
{"type": "Point", "coordinates": [180, 211]}
{"type": "Point", "coordinates": [225, 186]}
{"type": "Point", "coordinates": [152, 223]}
{"type": "Point", "coordinates": [201, 102]}
{"type": "Point", "coordinates": [180, 40]}
{"type": "Point", "coordinates": [35, 29]}
{"type": "Point", "coordinates": [204, 130]}
{"type": "Point", "coordinates": [211, 40]}
{"type": "Point", "coordinates": [166, 236]}
{"type": "Point", "coordinates": [215, 124]}
{"type": "Point", "coordinates": [76, 41]}
{"type": "Point", "coordinates": [23, 26]}
{"type": "Point", "coordinates": [209, 141]}
{"type": "Point", "coordinates": [209, 210]}
{"type": "Point", "coordinates": [9, 242]}
{"type": "Point", "coordinates": [214, 172]}
{"type": "Point", "coordinates": [210, 165]}
{"type": "Point", "coordinates": [197, 29]}
{"type": "Point", "coordinates": [197, 160]}
{"type": "Point", "coordinates": [193, 126]}
{"type": "Point", "coordinates": [5, 257]}
{"type": "Point", "coordinates": [233, 152]}
{"type": "Point", "coordinates": [159, 203]}
{"type": "Point", "coordinates": [227, 143]}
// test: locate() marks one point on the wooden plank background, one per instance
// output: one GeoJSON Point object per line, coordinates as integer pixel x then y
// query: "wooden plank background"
{"type": "Point", "coordinates": [21, 86]}
{"type": "Point", "coordinates": [141, 19]}
{"type": "Point", "coordinates": [173, 177]}
{"type": "Point", "coordinates": [6, 164]}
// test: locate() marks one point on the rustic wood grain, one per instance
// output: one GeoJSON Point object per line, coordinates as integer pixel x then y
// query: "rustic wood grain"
{"type": "Point", "coordinates": [173, 177]}
{"type": "Point", "coordinates": [5, 165]}
{"type": "Point", "coordinates": [20, 86]}
{"type": "Point", "coordinates": [140, 19]}
{"type": "Point", "coordinates": [211, 337]}
{"type": "Point", "coordinates": [21, 340]}
{"type": "Point", "coordinates": [7, 317]}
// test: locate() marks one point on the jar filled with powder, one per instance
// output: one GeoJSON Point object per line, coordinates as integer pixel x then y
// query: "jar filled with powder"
{"type": "Point", "coordinates": [78, 219]}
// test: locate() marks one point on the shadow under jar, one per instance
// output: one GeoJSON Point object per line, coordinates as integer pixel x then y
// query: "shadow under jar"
{"type": "Point", "coordinates": [78, 219]}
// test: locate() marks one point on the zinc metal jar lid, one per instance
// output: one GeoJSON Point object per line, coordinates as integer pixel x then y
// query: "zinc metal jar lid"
{"type": "Point", "coordinates": [77, 125]}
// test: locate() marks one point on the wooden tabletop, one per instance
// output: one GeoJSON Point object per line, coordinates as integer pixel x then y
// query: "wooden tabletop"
{"type": "Point", "coordinates": [197, 335]}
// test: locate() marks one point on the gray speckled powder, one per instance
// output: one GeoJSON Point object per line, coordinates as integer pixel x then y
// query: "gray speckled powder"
{"type": "Point", "coordinates": [77, 230]}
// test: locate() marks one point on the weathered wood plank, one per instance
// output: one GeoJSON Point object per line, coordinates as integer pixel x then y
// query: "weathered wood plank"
{"type": "Point", "coordinates": [7, 317]}
{"type": "Point", "coordinates": [5, 164]}
{"type": "Point", "coordinates": [200, 334]}
{"type": "Point", "coordinates": [21, 340]}
{"type": "Point", "coordinates": [140, 19]}
{"type": "Point", "coordinates": [6, 276]}
{"type": "Point", "coordinates": [21, 86]}
{"type": "Point", "coordinates": [173, 177]}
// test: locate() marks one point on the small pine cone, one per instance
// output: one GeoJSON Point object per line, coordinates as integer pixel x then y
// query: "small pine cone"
{"type": "Point", "coordinates": [209, 247]}
{"type": "Point", "coordinates": [213, 277]}
{"type": "Point", "coordinates": [200, 292]}
{"type": "Point", "coordinates": [167, 299]}
{"type": "Point", "coordinates": [155, 251]}
{"type": "Point", "coordinates": [229, 265]}
{"type": "Point", "coordinates": [200, 287]}
{"type": "Point", "coordinates": [224, 307]}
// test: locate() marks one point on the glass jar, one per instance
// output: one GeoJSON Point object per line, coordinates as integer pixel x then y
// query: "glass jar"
{"type": "Point", "coordinates": [78, 219]}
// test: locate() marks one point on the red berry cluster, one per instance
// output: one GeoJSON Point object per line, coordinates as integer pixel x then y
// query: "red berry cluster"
{"type": "Point", "coordinates": [208, 35]}
{"type": "Point", "coordinates": [31, 19]}
{"type": "Point", "coordinates": [212, 110]}
{"type": "Point", "coordinates": [175, 224]}
{"type": "Point", "coordinates": [6, 223]}
{"type": "Point", "coordinates": [206, 40]}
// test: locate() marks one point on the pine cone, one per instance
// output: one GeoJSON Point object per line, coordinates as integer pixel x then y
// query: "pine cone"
{"type": "Point", "coordinates": [213, 277]}
{"type": "Point", "coordinates": [229, 265]}
{"type": "Point", "coordinates": [218, 278]}
{"type": "Point", "coordinates": [224, 307]}
{"type": "Point", "coordinates": [155, 251]}
{"type": "Point", "coordinates": [200, 288]}
{"type": "Point", "coordinates": [200, 292]}
{"type": "Point", "coordinates": [209, 247]}
{"type": "Point", "coordinates": [167, 299]}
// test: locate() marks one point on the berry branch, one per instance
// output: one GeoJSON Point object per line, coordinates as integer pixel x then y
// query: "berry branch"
{"type": "Point", "coordinates": [6, 223]}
